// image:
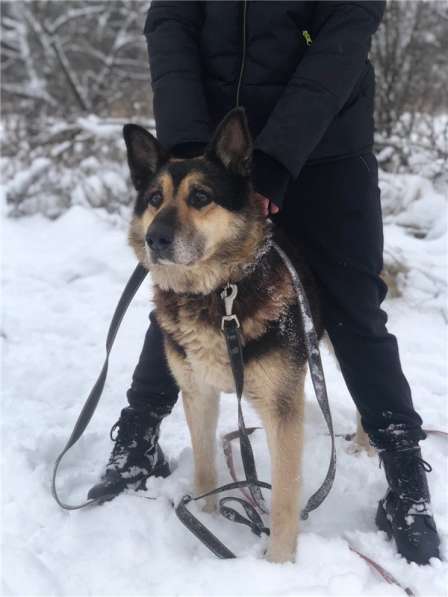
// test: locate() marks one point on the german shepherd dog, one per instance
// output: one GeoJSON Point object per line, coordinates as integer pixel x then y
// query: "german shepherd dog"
{"type": "Point", "coordinates": [196, 227]}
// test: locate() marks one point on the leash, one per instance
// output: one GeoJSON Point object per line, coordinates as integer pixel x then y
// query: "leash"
{"type": "Point", "coordinates": [373, 565]}
{"type": "Point", "coordinates": [253, 500]}
{"type": "Point", "coordinates": [318, 380]}
{"type": "Point", "coordinates": [231, 329]}
{"type": "Point", "coordinates": [254, 521]}
{"type": "Point", "coordinates": [134, 283]}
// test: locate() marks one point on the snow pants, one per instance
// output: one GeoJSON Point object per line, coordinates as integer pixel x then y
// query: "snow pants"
{"type": "Point", "coordinates": [333, 210]}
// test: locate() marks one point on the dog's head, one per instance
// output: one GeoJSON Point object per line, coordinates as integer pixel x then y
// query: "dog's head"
{"type": "Point", "coordinates": [193, 211]}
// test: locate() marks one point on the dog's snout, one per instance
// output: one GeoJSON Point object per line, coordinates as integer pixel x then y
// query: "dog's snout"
{"type": "Point", "coordinates": [160, 237]}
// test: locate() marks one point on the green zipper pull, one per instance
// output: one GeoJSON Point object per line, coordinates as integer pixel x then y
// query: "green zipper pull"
{"type": "Point", "coordinates": [307, 37]}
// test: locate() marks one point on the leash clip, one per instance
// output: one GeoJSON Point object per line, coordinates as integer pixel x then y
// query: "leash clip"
{"type": "Point", "coordinates": [228, 295]}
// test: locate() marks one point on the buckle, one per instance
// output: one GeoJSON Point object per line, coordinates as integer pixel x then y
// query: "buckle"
{"type": "Point", "coordinates": [228, 295]}
{"type": "Point", "coordinates": [229, 318]}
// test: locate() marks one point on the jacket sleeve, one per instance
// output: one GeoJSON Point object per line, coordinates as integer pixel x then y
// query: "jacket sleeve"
{"type": "Point", "coordinates": [172, 31]}
{"type": "Point", "coordinates": [322, 82]}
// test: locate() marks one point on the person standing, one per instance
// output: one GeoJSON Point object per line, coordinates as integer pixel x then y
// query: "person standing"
{"type": "Point", "coordinates": [301, 71]}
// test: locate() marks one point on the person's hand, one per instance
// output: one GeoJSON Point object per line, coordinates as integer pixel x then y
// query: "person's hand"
{"type": "Point", "coordinates": [268, 206]}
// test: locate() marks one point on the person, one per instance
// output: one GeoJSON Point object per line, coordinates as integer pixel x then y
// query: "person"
{"type": "Point", "coordinates": [301, 71]}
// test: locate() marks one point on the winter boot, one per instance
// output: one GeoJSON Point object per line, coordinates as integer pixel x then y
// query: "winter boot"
{"type": "Point", "coordinates": [405, 512]}
{"type": "Point", "coordinates": [135, 456]}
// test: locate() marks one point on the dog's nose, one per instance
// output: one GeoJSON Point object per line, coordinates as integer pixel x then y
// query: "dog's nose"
{"type": "Point", "coordinates": [160, 237]}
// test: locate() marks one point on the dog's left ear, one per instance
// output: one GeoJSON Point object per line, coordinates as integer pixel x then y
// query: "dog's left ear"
{"type": "Point", "coordinates": [145, 155]}
{"type": "Point", "coordinates": [232, 143]}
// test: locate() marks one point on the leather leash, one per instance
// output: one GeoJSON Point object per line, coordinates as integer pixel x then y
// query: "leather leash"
{"type": "Point", "coordinates": [231, 331]}
{"type": "Point", "coordinates": [254, 521]}
{"type": "Point", "coordinates": [134, 283]}
{"type": "Point", "coordinates": [317, 378]}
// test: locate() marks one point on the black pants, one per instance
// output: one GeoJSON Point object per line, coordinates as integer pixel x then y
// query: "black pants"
{"type": "Point", "coordinates": [334, 211]}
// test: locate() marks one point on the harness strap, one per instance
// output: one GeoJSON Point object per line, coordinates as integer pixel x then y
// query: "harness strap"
{"type": "Point", "coordinates": [93, 398]}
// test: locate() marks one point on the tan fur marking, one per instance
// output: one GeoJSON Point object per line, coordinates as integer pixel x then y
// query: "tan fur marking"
{"type": "Point", "coordinates": [166, 182]}
{"type": "Point", "coordinates": [193, 178]}
{"type": "Point", "coordinates": [213, 222]}
{"type": "Point", "coordinates": [201, 411]}
{"type": "Point", "coordinates": [283, 422]}
{"type": "Point", "coordinates": [208, 362]}
{"type": "Point", "coordinates": [361, 441]}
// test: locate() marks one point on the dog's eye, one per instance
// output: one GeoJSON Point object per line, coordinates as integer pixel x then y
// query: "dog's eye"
{"type": "Point", "coordinates": [155, 199]}
{"type": "Point", "coordinates": [199, 199]}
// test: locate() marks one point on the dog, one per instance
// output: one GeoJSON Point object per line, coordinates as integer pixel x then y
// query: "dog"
{"type": "Point", "coordinates": [197, 226]}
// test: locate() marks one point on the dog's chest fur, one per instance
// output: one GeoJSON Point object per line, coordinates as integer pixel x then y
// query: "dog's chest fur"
{"type": "Point", "coordinates": [265, 306]}
{"type": "Point", "coordinates": [192, 331]}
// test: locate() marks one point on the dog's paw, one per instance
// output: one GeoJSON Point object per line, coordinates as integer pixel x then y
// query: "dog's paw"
{"type": "Point", "coordinates": [279, 555]}
{"type": "Point", "coordinates": [210, 504]}
{"type": "Point", "coordinates": [355, 448]}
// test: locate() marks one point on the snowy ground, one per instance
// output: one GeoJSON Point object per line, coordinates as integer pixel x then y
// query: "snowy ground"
{"type": "Point", "coordinates": [61, 281]}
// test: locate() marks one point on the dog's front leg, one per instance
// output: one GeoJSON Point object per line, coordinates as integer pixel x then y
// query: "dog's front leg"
{"type": "Point", "coordinates": [283, 422]}
{"type": "Point", "coordinates": [201, 410]}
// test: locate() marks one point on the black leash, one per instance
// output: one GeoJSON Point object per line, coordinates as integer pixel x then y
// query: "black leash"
{"type": "Point", "coordinates": [231, 331]}
{"type": "Point", "coordinates": [91, 403]}
{"type": "Point", "coordinates": [318, 379]}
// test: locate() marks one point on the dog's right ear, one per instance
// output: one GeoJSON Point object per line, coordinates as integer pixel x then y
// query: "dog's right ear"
{"type": "Point", "coordinates": [145, 155]}
{"type": "Point", "coordinates": [231, 144]}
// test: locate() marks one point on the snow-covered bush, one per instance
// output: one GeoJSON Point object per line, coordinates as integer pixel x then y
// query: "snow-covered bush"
{"type": "Point", "coordinates": [418, 144]}
{"type": "Point", "coordinates": [83, 163]}
{"type": "Point", "coordinates": [415, 232]}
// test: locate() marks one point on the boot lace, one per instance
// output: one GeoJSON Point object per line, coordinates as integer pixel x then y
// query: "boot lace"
{"type": "Point", "coordinates": [130, 427]}
{"type": "Point", "coordinates": [405, 473]}
{"type": "Point", "coordinates": [425, 465]}
{"type": "Point", "coordinates": [419, 461]}
{"type": "Point", "coordinates": [113, 436]}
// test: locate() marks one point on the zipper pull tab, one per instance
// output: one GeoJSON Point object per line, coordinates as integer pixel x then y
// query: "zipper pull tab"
{"type": "Point", "coordinates": [307, 37]}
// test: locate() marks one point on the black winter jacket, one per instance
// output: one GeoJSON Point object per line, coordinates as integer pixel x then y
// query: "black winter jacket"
{"type": "Point", "coordinates": [299, 68]}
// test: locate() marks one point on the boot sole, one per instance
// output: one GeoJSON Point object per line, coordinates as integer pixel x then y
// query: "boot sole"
{"type": "Point", "coordinates": [411, 556]}
{"type": "Point", "coordinates": [161, 470]}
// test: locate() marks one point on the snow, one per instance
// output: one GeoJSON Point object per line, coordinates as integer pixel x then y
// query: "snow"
{"type": "Point", "coordinates": [61, 281]}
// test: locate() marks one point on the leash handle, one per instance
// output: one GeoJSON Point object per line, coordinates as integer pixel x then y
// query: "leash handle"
{"type": "Point", "coordinates": [195, 526]}
{"type": "Point", "coordinates": [90, 405]}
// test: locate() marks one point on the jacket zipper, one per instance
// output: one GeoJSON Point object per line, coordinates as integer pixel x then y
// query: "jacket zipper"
{"type": "Point", "coordinates": [243, 54]}
{"type": "Point", "coordinates": [307, 37]}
